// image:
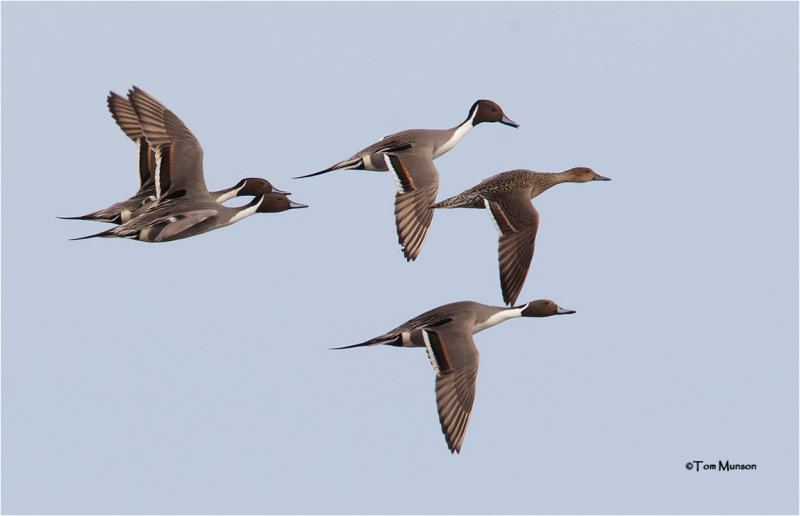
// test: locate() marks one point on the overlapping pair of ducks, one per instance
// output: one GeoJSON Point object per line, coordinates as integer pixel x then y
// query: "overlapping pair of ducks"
{"type": "Point", "coordinates": [172, 201]}
{"type": "Point", "coordinates": [446, 332]}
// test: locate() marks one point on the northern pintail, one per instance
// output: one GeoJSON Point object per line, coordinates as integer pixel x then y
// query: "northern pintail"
{"type": "Point", "coordinates": [124, 114]}
{"type": "Point", "coordinates": [409, 156]}
{"type": "Point", "coordinates": [185, 207]}
{"type": "Point", "coordinates": [506, 196]}
{"type": "Point", "coordinates": [446, 332]}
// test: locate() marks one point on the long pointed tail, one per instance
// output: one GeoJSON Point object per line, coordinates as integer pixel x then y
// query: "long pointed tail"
{"type": "Point", "coordinates": [348, 164]}
{"type": "Point", "coordinates": [95, 218]}
{"type": "Point", "coordinates": [105, 233]}
{"type": "Point", "coordinates": [377, 341]}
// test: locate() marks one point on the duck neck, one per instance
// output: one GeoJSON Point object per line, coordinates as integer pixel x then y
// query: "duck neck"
{"type": "Point", "coordinates": [546, 180]}
{"type": "Point", "coordinates": [456, 133]}
{"type": "Point", "coordinates": [227, 194]}
{"type": "Point", "coordinates": [246, 210]}
{"type": "Point", "coordinates": [502, 314]}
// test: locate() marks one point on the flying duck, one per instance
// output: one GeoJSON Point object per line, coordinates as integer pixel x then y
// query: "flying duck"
{"type": "Point", "coordinates": [507, 197]}
{"type": "Point", "coordinates": [409, 156]}
{"type": "Point", "coordinates": [446, 333]}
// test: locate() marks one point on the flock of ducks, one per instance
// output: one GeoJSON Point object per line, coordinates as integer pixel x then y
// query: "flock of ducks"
{"type": "Point", "coordinates": [173, 202]}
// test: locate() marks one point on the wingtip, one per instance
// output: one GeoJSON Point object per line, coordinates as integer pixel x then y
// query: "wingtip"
{"type": "Point", "coordinates": [510, 300]}
{"type": "Point", "coordinates": [410, 256]}
{"type": "Point", "coordinates": [110, 99]}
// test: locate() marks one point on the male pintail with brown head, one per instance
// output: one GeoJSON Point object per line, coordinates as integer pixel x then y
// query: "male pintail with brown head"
{"type": "Point", "coordinates": [446, 333]}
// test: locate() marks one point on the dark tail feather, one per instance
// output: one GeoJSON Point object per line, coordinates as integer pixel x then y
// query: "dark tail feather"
{"type": "Point", "coordinates": [396, 341]}
{"type": "Point", "coordinates": [352, 346]}
{"type": "Point", "coordinates": [316, 173]}
{"type": "Point", "coordinates": [342, 165]}
{"type": "Point", "coordinates": [115, 220]}
{"type": "Point", "coordinates": [100, 234]}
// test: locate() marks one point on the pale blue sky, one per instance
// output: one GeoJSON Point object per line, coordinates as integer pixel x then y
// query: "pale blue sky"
{"type": "Point", "coordinates": [195, 376]}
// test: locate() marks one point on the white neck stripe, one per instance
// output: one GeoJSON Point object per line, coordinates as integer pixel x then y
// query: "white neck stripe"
{"type": "Point", "coordinates": [503, 315]}
{"type": "Point", "coordinates": [230, 194]}
{"type": "Point", "coordinates": [459, 133]}
{"type": "Point", "coordinates": [245, 212]}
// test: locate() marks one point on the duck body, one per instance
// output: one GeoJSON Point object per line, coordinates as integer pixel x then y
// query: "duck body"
{"type": "Point", "coordinates": [506, 196]}
{"type": "Point", "coordinates": [431, 143]}
{"type": "Point", "coordinates": [409, 156]}
{"type": "Point", "coordinates": [474, 316]}
{"type": "Point", "coordinates": [533, 183]}
{"type": "Point", "coordinates": [446, 333]}
{"type": "Point", "coordinates": [249, 186]}
{"type": "Point", "coordinates": [123, 211]}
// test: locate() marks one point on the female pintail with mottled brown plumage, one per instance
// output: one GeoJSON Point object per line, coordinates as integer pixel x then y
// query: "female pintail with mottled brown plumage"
{"type": "Point", "coordinates": [409, 156]}
{"type": "Point", "coordinates": [506, 196]}
{"type": "Point", "coordinates": [446, 332]}
{"type": "Point", "coordinates": [185, 207]}
{"type": "Point", "coordinates": [121, 212]}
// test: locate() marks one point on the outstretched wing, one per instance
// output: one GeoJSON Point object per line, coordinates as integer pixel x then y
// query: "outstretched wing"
{"type": "Point", "coordinates": [179, 155]}
{"type": "Point", "coordinates": [455, 359]}
{"type": "Point", "coordinates": [517, 221]}
{"type": "Point", "coordinates": [125, 116]}
{"type": "Point", "coordinates": [417, 184]}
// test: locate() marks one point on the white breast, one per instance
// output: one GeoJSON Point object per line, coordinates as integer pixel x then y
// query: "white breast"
{"type": "Point", "coordinates": [497, 318]}
{"type": "Point", "coordinates": [461, 130]}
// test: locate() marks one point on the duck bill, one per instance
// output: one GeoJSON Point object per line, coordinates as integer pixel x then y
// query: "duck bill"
{"type": "Point", "coordinates": [275, 190]}
{"type": "Point", "coordinates": [507, 121]}
{"type": "Point", "coordinates": [293, 204]}
{"type": "Point", "coordinates": [564, 311]}
{"type": "Point", "coordinates": [598, 177]}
